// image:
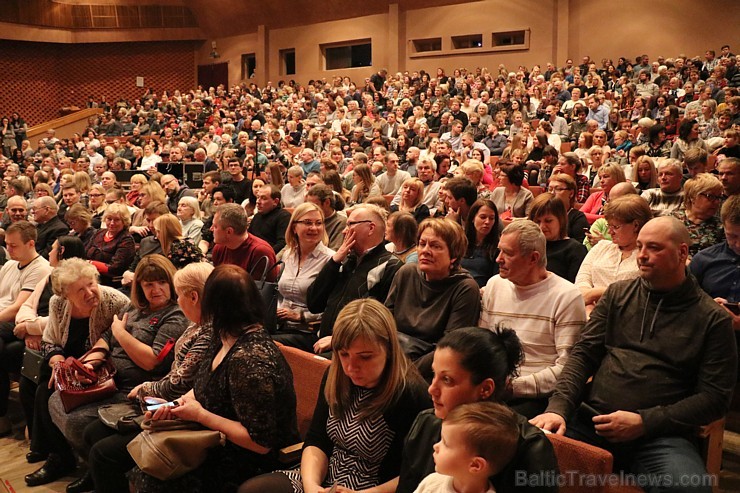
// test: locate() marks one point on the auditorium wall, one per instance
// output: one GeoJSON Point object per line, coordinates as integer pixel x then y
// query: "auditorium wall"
{"type": "Point", "coordinates": [38, 79]}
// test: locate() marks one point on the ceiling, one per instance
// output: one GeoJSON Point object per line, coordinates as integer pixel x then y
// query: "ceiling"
{"type": "Point", "coordinates": [214, 18]}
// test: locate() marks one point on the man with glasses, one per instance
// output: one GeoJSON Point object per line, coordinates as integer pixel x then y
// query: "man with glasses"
{"type": "Point", "coordinates": [48, 224]}
{"type": "Point", "coordinates": [174, 191]}
{"type": "Point", "coordinates": [360, 268]}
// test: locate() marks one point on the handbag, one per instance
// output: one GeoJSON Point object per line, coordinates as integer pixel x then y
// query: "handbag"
{"type": "Point", "coordinates": [124, 417]}
{"type": "Point", "coordinates": [269, 292]}
{"type": "Point", "coordinates": [31, 367]}
{"type": "Point", "coordinates": [74, 393]}
{"type": "Point", "coordinates": [168, 449]}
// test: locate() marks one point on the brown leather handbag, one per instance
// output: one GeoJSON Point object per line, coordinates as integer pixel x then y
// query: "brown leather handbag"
{"type": "Point", "coordinates": [170, 448]}
{"type": "Point", "coordinates": [73, 392]}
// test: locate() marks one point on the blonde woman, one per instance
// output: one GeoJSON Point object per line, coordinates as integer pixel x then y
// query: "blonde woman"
{"type": "Point", "coordinates": [365, 185]}
{"type": "Point", "coordinates": [294, 192]}
{"type": "Point", "coordinates": [412, 195]}
{"type": "Point", "coordinates": [305, 255]}
{"type": "Point", "coordinates": [150, 192]}
{"type": "Point", "coordinates": [179, 249]}
{"type": "Point", "coordinates": [188, 212]}
{"type": "Point", "coordinates": [137, 182]}
{"type": "Point", "coordinates": [111, 250]}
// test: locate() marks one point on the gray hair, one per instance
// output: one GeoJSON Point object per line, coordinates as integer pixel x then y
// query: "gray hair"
{"type": "Point", "coordinates": [192, 202]}
{"type": "Point", "coordinates": [232, 216]}
{"type": "Point", "coordinates": [674, 163]}
{"type": "Point", "coordinates": [47, 202]}
{"type": "Point", "coordinates": [70, 270]}
{"type": "Point", "coordinates": [530, 239]}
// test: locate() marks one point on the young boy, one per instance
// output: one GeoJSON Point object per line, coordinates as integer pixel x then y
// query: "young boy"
{"type": "Point", "coordinates": [478, 440]}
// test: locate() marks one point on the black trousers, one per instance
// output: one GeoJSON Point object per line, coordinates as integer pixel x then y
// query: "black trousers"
{"type": "Point", "coordinates": [11, 359]}
{"type": "Point", "coordinates": [108, 459]}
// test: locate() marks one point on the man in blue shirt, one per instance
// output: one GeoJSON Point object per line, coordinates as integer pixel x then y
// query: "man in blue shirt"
{"type": "Point", "coordinates": [717, 268]}
{"type": "Point", "coordinates": [597, 112]}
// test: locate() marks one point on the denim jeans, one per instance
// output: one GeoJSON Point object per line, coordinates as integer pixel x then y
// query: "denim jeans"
{"type": "Point", "coordinates": [666, 463]}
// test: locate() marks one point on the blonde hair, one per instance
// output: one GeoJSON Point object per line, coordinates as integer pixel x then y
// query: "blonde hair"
{"type": "Point", "coordinates": [419, 186]}
{"type": "Point", "coordinates": [192, 278]}
{"type": "Point", "coordinates": [69, 271]}
{"type": "Point", "coordinates": [362, 189]}
{"type": "Point", "coordinates": [139, 178]}
{"type": "Point", "coordinates": [121, 211]}
{"type": "Point", "coordinates": [291, 238]}
{"type": "Point", "coordinates": [701, 183]}
{"type": "Point", "coordinates": [155, 191]}
{"type": "Point", "coordinates": [82, 181]}
{"type": "Point", "coordinates": [369, 320]}
{"type": "Point", "coordinates": [170, 230]}
{"type": "Point", "coordinates": [192, 202]}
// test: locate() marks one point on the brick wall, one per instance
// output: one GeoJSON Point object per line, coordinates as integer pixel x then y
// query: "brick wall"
{"type": "Point", "coordinates": [38, 79]}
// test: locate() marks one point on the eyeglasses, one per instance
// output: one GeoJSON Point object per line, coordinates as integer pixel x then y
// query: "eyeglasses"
{"type": "Point", "coordinates": [95, 195]}
{"type": "Point", "coordinates": [615, 227]}
{"type": "Point", "coordinates": [354, 223]}
{"type": "Point", "coordinates": [308, 223]}
{"type": "Point", "coordinates": [710, 196]}
{"type": "Point", "coordinates": [556, 189]}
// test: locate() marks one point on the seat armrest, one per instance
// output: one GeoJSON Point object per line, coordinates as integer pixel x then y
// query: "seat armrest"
{"type": "Point", "coordinates": [291, 454]}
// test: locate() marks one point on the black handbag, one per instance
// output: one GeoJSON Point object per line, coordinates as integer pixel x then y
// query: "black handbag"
{"type": "Point", "coordinates": [269, 292]}
{"type": "Point", "coordinates": [32, 363]}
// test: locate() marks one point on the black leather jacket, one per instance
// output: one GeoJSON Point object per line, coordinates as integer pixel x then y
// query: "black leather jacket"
{"type": "Point", "coordinates": [534, 455]}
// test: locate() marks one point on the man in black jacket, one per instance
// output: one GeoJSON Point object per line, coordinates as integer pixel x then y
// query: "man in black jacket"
{"type": "Point", "coordinates": [361, 268]}
{"type": "Point", "coordinates": [663, 360]}
{"type": "Point", "coordinates": [271, 220]}
{"type": "Point", "coordinates": [48, 225]}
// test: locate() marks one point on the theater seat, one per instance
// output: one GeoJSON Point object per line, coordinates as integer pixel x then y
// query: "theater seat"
{"type": "Point", "coordinates": [576, 458]}
{"type": "Point", "coordinates": [308, 371]}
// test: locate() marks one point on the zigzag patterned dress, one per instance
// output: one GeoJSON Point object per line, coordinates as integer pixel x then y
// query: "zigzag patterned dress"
{"type": "Point", "coordinates": [362, 454]}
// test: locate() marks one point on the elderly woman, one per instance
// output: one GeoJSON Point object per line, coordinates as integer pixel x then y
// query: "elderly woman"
{"type": "Point", "coordinates": [305, 255]}
{"type": "Point", "coordinates": [436, 295]}
{"type": "Point", "coordinates": [614, 260]}
{"type": "Point", "coordinates": [368, 400]}
{"type": "Point", "coordinates": [474, 170]}
{"type": "Point", "coordinates": [483, 235]}
{"type": "Point", "coordinates": [137, 182]}
{"type": "Point", "coordinates": [188, 212]}
{"type": "Point", "coordinates": [564, 254]}
{"type": "Point", "coordinates": [293, 193]}
{"type": "Point", "coordinates": [79, 219]}
{"type": "Point", "coordinates": [564, 187]}
{"type": "Point", "coordinates": [79, 313]}
{"type": "Point", "coordinates": [412, 195]}
{"type": "Point", "coordinates": [111, 250]}
{"type": "Point", "coordinates": [511, 199]}
{"type": "Point", "coordinates": [401, 230]}
{"type": "Point", "coordinates": [139, 345]}
{"type": "Point", "coordinates": [609, 175]}
{"type": "Point", "coordinates": [179, 249]}
{"type": "Point", "coordinates": [472, 364]}
{"type": "Point", "coordinates": [243, 388]}
{"type": "Point", "coordinates": [108, 458]}
{"type": "Point", "coordinates": [702, 199]}
{"type": "Point", "coordinates": [31, 321]}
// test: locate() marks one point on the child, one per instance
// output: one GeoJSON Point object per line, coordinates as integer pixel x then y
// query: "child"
{"type": "Point", "coordinates": [478, 440]}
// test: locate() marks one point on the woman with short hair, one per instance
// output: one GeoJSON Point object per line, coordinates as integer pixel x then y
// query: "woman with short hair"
{"type": "Point", "coordinates": [293, 193]}
{"type": "Point", "coordinates": [436, 295]}
{"type": "Point", "coordinates": [688, 138]}
{"type": "Point", "coordinates": [111, 250]}
{"type": "Point", "coordinates": [97, 205]}
{"type": "Point", "coordinates": [79, 313]}
{"type": "Point", "coordinates": [609, 175]}
{"type": "Point", "coordinates": [512, 200]}
{"type": "Point", "coordinates": [614, 260]}
{"type": "Point", "coordinates": [79, 219]}
{"type": "Point", "coordinates": [702, 199]}
{"type": "Point", "coordinates": [188, 212]}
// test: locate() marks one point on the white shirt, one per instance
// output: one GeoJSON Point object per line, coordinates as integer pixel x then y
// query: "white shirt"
{"type": "Point", "coordinates": [439, 483]}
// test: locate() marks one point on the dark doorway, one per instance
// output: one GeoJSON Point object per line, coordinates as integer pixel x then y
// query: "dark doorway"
{"type": "Point", "coordinates": [213, 74]}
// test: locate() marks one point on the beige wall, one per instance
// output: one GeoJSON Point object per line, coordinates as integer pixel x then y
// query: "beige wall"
{"type": "Point", "coordinates": [656, 27]}
{"type": "Point", "coordinates": [559, 29]}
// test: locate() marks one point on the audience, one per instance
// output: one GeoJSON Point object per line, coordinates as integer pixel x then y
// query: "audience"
{"type": "Point", "coordinates": [317, 138]}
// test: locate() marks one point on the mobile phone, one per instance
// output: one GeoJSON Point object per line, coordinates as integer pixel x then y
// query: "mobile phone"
{"type": "Point", "coordinates": [733, 307]}
{"type": "Point", "coordinates": [154, 407]}
{"type": "Point", "coordinates": [588, 411]}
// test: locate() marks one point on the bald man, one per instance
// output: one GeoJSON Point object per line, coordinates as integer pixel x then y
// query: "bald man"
{"type": "Point", "coordinates": [663, 359]}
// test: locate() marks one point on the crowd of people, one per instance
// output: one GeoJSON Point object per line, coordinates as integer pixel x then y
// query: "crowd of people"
{"type": "Point", "coordinates": [468, 249]}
